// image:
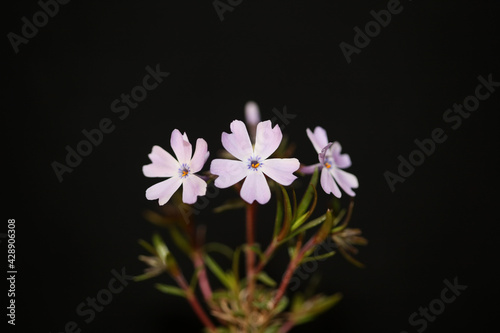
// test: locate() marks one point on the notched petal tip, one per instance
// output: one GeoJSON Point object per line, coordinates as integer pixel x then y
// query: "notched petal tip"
{"type": "Point", "coordinates": [181, 146]}
{"type": "Point", "coordinates": [267, 139]}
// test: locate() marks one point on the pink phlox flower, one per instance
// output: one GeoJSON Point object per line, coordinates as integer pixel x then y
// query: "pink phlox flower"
{"type": "Point", "coordinates": [180, 171]}
{"type": "Point", "coordinates": [253, 162]}
{"type": "Point", "coordinates": [331, 163]}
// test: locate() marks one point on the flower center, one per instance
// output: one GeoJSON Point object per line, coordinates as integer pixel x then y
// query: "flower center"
{"type": "Point", "coordinates": [184, 171]}
{"type": "Point", "coordinates": [328, 163]}
{"type": "Point", "coordinates": [254, 163]}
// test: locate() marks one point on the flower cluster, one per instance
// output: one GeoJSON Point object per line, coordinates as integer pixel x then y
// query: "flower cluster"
{"type": "Point", "coordinates": [251, 163]}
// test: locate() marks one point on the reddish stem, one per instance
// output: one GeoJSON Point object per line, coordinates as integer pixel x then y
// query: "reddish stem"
{"type": "Point", "coordinates": [205, 288]}
{"type": "Point", "coordinates": [193, 301]}
{"type": "Point", "coordinates": [250, 228]}
{"type": "Point", "coordinates": [292, 266]}
{"type": "Point", "coordinates": [267, 255]}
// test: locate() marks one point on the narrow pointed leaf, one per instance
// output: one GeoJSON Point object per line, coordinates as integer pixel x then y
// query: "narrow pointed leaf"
{"type": "Point", "coordinates": [287, 214]}
{"type": "Point", "coordinates": [297, 223]}
{"type": "Point", "coordinates": [217, 270]}
{"type": "Point", "coordinates": [236, 263]}
{"type": "Point", "coordinates": [147, 246]}
{"type": "Point", "coordinates": [266, 279]}
{"type": "Point", "coordinates": [306, 199]}
{"type": "Point", "coordinates": [219, 248]}
{"type": "Point", "coordinates": [325, 229]}
{"type": "Point", "coordinates": [194, 278]}
{"type": "Point", "coordinates": [142, 277]}
{"type": "Point", "coordinates": [160, 247]}
{"type": "Point", "coordinates": [308, 225]}
{"type": "Point", "coordinates": [181, 241]}
{"type": "Point", "coordinates": [319, 257]}
{"type": "Point", "coordinates": [278, 221]}
{"type": "Point", "coordinates": [256, 249]}
{"type": "Point", "coordinates": [172, 290]}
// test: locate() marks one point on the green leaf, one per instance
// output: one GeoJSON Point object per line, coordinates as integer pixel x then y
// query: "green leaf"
{"type": "Point", "coordinates": [309, 225]}
{"type": "Point", "coordinates": [194, 278]}
{"type": "Point", "coordinates": [325, 229]}
{"type": "Point", "coordinates": [172, 290]}
{"type": "Point", "coordinates": [319, 257]}
{"type": "Point", "coordinates": [279, 213]}
{"type": "Point", "coordinates": [217, 270]}
{"type": "Point", "coordinates": [312, 308]}
{"type": "Point", "coordinates": [142, 277]}
{"type": "Point", "coordinates": [256, 249]}
{"type": "Point", "coordinates": [327, 302]}
{"type": "Point", "coordinates": [294, 207]}
{"type": "Point", "coordinates": [219, 248]}
{"type": "Point", "coordinates": [339, 217]}
{"type": "Point", "coordinates": [297, 302]}
{"type": "Point", "coordinates": [297, 223]}
{"type": "Point", "coordinates": [281, 306]}
{"type": "Point", "coordinates": [147, 246]}
{"type": "Point", "coordinates": [306, 199]}
{"type": "Point", "coordinates": [236, 263]}
{"type": "Point", "coordinates": [288, 214]}
{"type": "Point", "coordinates": [180, 240]}
{"type": "Point", "coordinates": [160, 247]}
{"type": "Point", "coordinates": [266, 279]}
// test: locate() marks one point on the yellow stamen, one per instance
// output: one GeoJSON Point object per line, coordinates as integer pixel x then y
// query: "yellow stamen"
{"type": "Point", "coordinates": [184, 173]}
{"type": "Point", "coordinates": [255, 165]}
{"type": "Point", "coordinates": [328, 165]}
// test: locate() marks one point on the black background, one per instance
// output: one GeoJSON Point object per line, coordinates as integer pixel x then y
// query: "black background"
{"type": "Point", "coordinates": [441, 223]}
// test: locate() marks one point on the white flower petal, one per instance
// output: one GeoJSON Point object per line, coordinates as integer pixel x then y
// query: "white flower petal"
{"type": "Point", "coordinates": [164, 164]}
{"type": "Point", "coordinates": [341, 160]}
{"type": "Point", "coordinates": [346, 180]}
{"type": "Point", "coordinates": [319, 139]}
{"type": "Point", "coordinates": [163, 190]}
{"type": "Point", "coordinates": [255, 187]}
{"type": "Point", "coordinates": [281, 169]}
{"type": "Point", "coordinates": [309, 169]}
{"type": "Point", "coordinates": [229, 171]}
{"type": "Point", "coordinates": [200, 156]}
{"type": "Point", "coordinates": [238, 142]}
{"type": "Point", "coordinates": [181, 146]}
{"type": "Point", "coordinates": [328, 184]}
{"type": "Point", "coordinates": [192, 187]}
{"type": "Point", "coordinates": [267, 139]}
